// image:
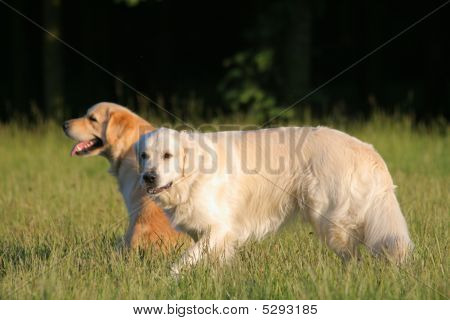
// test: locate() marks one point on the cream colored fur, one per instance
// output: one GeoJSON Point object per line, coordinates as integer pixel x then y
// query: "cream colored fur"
{"type": "Point", "coordinates": [228, 187]}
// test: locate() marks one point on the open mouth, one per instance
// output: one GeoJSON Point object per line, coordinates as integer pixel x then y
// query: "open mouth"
{"type": "Point", "coordinates": [86, 147]}
{"type": "Point", "coordinates": [154, 191]}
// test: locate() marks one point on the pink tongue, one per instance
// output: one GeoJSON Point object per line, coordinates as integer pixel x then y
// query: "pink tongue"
{"type": "Point", "coordinates": [78, 147]}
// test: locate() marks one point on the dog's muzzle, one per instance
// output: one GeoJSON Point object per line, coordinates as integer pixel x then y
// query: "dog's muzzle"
{"type": "Point", "coordinates": [149, 179]}
{"type": "Point", "coordinates": [154, 191]}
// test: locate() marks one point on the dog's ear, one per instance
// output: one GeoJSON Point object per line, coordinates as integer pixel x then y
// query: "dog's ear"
{"type": "Point", "coordinates": [116, 127]}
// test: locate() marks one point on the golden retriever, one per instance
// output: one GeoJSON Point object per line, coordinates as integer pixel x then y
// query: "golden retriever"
{"type": "Point", "coordinates": [228, 187]}
{"type": "Point", "coordinates": [110, 130]}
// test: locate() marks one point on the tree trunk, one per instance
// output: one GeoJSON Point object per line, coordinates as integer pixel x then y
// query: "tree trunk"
{"type": "Point", "coordinates": [20, 65]}
{"type": "Point", "coordinates": [297, 54]}
{"type": "Point", "coordinates": [52, 60]}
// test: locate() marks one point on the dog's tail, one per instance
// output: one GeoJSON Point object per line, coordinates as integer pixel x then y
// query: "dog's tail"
{"type": "Point", "coordinates": [386, 231]}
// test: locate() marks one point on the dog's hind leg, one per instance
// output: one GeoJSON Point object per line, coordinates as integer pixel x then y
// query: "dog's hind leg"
{"type": "Point", "coordinates": [332, 221]}
{"type": "Point", "coordinates": [343, 242]}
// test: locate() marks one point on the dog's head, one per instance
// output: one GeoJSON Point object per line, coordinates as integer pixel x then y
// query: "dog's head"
{"type": "Point", "coordinates": [166, 158]}
{"type": "Point", "coordinates": [107, 129]}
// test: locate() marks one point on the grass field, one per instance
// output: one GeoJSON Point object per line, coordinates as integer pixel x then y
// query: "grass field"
{"type": "Point", "coordinates": [61, 217]}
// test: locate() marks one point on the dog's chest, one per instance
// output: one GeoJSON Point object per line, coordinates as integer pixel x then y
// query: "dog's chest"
{"type": "Point", "coordinates": [189, 217]}
{"type": "Point", "coordinates": [130, 190]}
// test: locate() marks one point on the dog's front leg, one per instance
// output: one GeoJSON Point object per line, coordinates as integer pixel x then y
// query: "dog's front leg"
{"type": "Point", "coordinates": [215, 243]}
{"type": "Point", "coordinates": [191, 256]}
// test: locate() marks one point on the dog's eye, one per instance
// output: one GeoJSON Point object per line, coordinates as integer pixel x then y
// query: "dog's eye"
{"type": "Point", "coordinates": [167, 155]}
{"type": "Point", "coordinates": [92, 118]}
{"type": "Point", "coordinates": [144, 155]}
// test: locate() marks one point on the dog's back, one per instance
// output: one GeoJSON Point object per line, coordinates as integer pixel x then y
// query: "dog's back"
{"type": "Point", "coordinates": [341, 183]}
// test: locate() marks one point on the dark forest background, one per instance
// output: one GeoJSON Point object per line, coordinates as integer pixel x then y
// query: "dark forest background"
{"type": "Point", "coordinates": [209, 59]}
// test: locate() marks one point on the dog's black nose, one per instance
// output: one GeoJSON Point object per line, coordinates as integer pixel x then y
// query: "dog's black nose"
{"type": "Point", "coordinates": [149, 178]}
{"type": "Point", "coordinates": [65, 125]}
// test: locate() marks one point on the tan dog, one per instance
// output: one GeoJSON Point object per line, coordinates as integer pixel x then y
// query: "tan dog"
{"type": "Point", "coordinates": [110, 130]}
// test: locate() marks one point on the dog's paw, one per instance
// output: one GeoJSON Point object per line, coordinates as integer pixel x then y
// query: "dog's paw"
{"type": "Point", "coordinates": [175, 271]}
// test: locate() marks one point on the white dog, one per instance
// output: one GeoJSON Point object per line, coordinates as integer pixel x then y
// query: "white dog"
{"type": "Point", "coordinates": [224, 188]}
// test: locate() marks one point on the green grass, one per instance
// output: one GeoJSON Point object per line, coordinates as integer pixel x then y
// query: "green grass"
{"type": "Point", "coordinates": [61, 218]}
